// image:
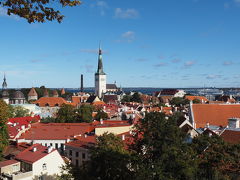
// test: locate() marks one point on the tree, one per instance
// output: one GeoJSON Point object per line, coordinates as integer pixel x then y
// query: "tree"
{"type": "Point", "coordinates": [109, 160]}
{"type": "Point", "coordinates": [37, 10]}
{"type": "Point", "coordinates": [196, 101]}
{"type": "Point", "coordinates": [66, 114]}
{"type": "Point", "coordinates": [18, 111]}
{"type": "Point", "coordinates": [4, 115]}
{"type": "Point", "coordinates": [101, 115]}
{"type": "Point", "coordinates": [178, 101]}
{"type": "Point", "coordinates": [136, 98]}
{"type": "Point", "coordinates": [216, 158]}
{"type": "Point", "coordinates": [126, 98]}
{"type": "Point", "coordinates": [84, 113]}
{"type": "Point", "coordinates": [161, 150]}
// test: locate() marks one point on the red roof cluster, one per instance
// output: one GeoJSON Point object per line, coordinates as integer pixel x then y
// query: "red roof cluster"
{"type": "Point", "coordinates": [50, 101]}
{"type": "Point", "coordinates": [231, 136]}
{"type": "Point", "coordinates": [33, 153]}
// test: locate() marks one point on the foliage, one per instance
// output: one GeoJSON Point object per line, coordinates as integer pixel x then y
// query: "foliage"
{"type": "Point", "coordinates": [101, 115]}
{"type": "Point", "coordinates": [4, 115]}
{"type": "Point", "coordinates": [216, 158]}
{"type": "Point", "coordinates": [126, 98]}
{"type": "Point", "coordinates": [178, 101]}
{"type": "Point", "coordinates": [18, 111]}
{"type": "Point", "coordinates": [84, 113]}
{"type": "Point", "coordinates": [196, 101]}
{"type": "Point", "coordinates": [66, 114]}
{"type": "Point", "coordinates": [136, 97]}
{"type": "Point", "coordinates": [161, 150]}
{"type": "Point", "coordinates": [69, 114]}
{"type": "Point", "coordinates": [37, 10]}
{"type": "Point", "coordinates": [66, 172]}
{"type": "Point", "coordinates": [109, 160]}
{"type": "Point", "coordinates": [48, 120]}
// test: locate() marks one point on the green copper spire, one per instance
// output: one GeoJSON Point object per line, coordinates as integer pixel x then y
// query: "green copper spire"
{"type": "Point", "coordinates": [100, 64]}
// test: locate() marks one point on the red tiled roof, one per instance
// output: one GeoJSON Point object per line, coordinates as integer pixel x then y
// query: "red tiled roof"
{"type": "Point", "coordinates": [83, 141]}
{"type": "Point", "coordinates": [57, 131]}
{"type": "Point", "coordinates": [231, 136]}
{"type": "Point", "coordinates": [29, 156]}
{"type": "Point", "coordinates": [50, 101]}
{"type": "Point", "coordinates": [191, 98]}
{"type": "Point", "coordinates": [7, 163]}
{"type": "Point", "coordinates": [214, 114]}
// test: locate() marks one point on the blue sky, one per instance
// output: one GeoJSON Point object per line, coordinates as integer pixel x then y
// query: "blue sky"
{"type": "Point", "coordinates": [157, 43]}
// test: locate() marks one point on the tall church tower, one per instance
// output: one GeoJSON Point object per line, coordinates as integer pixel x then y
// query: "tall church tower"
{"type": "Point", "coordinates": [4, 84]}
{"type": "Point", "coordinates": [100, 77]}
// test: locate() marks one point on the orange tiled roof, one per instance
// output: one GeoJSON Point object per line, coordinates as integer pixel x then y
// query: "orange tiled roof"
{"type": "Point", "coordinates": [51, 101]}
{"type": "Point", "coordinates": [214, 114]}
{"type": "Point", "coordinates": [191, 98]}
{"type": "Point", "coordinates": [231, 136]}
{"type": "Point", "coordinates": [8, 162]}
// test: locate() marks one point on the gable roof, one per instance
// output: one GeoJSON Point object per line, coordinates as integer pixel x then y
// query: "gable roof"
{"type": "Point", "coordinates": [214, 114]}
{"type": "Point", "coordinates": [111, 86]}
{"type": "Point", "coordinates": [32, 92]}
{"type": "Point", "coordinates": [29, 156]}
{"type": "Point", "coordinates": [8, 162]}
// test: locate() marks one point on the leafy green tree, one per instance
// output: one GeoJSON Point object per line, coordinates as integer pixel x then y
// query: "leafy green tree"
{"type": "Point", "coordinates": [4, 115]}
{"type": "Point", "coordinates": [18, 111]}
{"type": "Point", "coordinates": [37, 10]}
{"type": "Point", "coordinates": [136, 98]}
{"type": "Point", "coordinates": [101, 115]}
{"type": "Point", "coordinates": [196, 101]}
{"type": "Point", "coordinates": [178, 101]}
{"type": "Point", "coordinates": [216, 158]}
{"type": "Point", "coordinates": [109, 160]}
{"type": "Point", "coordinates": [84, 113]}
{"type": "Point", "coordinates": [48, 120]}
{"type": "Point", "coordinates": [161, 150]}
{"type": "Point", "coordinates": [126, 98]}
{"type": "Point", "coordinates": [66, 114]}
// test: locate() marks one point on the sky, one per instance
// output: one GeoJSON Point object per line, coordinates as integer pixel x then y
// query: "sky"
{"type": "Point", "coordinates": [156, 43]}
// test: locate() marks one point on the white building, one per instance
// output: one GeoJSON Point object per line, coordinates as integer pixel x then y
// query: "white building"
{"type": "Point", "coordinates": [100, 77]}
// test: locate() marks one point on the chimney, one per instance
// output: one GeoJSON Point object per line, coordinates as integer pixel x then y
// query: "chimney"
{"type": "Point", "coordinates": [234, 122]}
{"type": "Point", "coordinates": [34, 149]}
{"type": "Point", "coordinates": [207, 125]}
{"type": "Point", "coordinates": [101, 121]}
{"type": "Point", "coordinates": [49, 149]}
{"type": "Point", "coordinates": [123, 137]}
{"type": "Point", "coordinates": [85, 135]}
{"type": "Point", "coordinates": [81, 82]}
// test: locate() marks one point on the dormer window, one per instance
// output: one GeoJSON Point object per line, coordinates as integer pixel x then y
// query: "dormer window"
{"type": "Point", "coordinates": [47, 105]}
{"type": "Point", "coordinates": [44, 166]}
{"type": "Point", "coordinates": [56, 105]}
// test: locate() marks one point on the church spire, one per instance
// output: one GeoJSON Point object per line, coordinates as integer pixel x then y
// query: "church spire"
{"type": "Point", "coordinates": [100, 63]}
{"type": "Point", "coordinates": [4, 84]}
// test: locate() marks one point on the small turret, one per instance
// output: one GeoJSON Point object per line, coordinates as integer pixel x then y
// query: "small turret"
{"type": "Point", "coordinates": [45, 93]}
{"type": "Point", "coordinates": [32, 95]}
{"type": "Point", "coordinates": [55, 93]}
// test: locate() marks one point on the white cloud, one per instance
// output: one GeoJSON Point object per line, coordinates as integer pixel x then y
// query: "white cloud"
{"type": "Point", "coordinates": [227, 63]}
{"type": "Point", "coordinates": [102, 6]}
{"type": "Point", "coordinates": [213, 76]}
{"type": "Point", "coordinates": [128, 36]}
{"type": "Point", "coordinates": [189, 63]}
{"type": "Point", "coordinates": [126, 14]}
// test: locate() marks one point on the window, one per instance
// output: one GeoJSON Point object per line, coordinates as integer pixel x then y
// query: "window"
{"type": "Point", "coordinates": [46, 144]}
{"type": "Point", "coordinates": [83, 156]}
{"type": "Point", "coordinates": [70, 152]}
{"type": "Point", "coordinates": [76, 162]}
{"type": "Point", "coordinates": [56, 145]}
{"type": "Point", "coordinates": [44, 166]}
{"type": "Point", "coordinates": [62, 146]}
{"type": "Point", "coordinates": [50, 144]}
{"type": "Point", "coordinates": [77, 154]}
